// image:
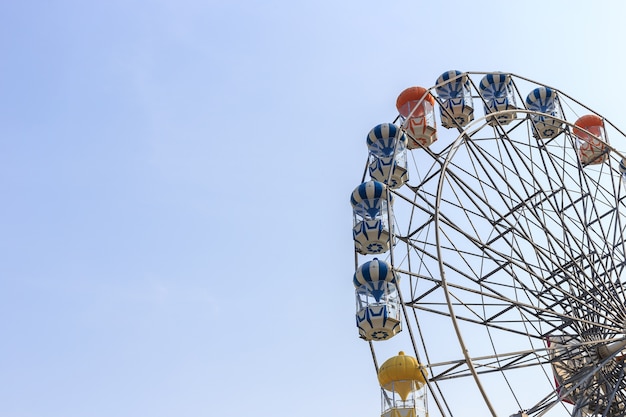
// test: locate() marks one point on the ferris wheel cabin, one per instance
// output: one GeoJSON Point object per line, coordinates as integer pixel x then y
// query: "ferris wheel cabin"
{"type": "Point", "coordinates": [417, 108]}
{"type": "Point", "coordinates": [545, 101]}
{"type": "Point", "coordinates": [378, 303]}
{"type": "Point", "coordinates": [371, 212]}
{"type": "Point", "coordinates": [591, 137]}
{"type": "Point", "coordinates": [402, 379]}
{"type": "Point", "coordinates": [456, 105]}
{"type": "Point", "coordinates": [387, 149]}
{"type": "Point", "coordinates": [497, 91]}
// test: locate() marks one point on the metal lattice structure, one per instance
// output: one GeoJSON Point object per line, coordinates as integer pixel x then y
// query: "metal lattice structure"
{"type": "Point", "coordinates": [509, 249]}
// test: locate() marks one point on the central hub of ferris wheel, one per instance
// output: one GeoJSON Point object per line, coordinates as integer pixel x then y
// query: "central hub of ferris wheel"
{"type": "Point", "coordinates": [489, 240]}
{"type": "Point", "coordinates": [611, 349]}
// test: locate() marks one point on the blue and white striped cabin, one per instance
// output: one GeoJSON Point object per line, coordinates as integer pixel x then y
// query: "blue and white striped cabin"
{"type": "Point", "coordinates": [371, 209]}
{"type": "Point", "coordinates": [455, 99]}
{"type": "Point", "coordinates": [387, 146]}
{"type": "Point", "coordinates": [545, 101]}
{"type": "Point", "coordinates": [378, 303]}
{"type": "Point", "coordinates": [497, 91]}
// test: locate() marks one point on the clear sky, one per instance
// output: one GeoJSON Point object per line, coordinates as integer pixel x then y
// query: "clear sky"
{"type": "Point", "coordinates": [175, 226]}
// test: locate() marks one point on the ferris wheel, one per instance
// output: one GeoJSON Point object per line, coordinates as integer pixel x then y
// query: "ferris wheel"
{"type": "Point", "coordinates": [489, 233]}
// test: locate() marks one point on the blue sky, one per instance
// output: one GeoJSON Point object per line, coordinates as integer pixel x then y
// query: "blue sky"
{"type": "Point", "coordinates": [175, 178]}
